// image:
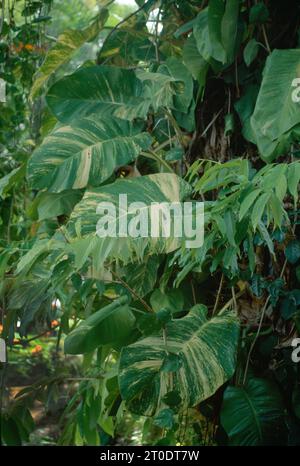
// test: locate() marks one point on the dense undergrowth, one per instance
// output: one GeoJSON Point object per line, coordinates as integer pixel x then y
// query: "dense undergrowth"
{"type": "Point", "coordinates": [179, 100]}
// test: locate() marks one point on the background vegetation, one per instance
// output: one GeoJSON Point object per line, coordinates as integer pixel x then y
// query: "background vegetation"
{"type": "Point", "coordinates": [140, 341]}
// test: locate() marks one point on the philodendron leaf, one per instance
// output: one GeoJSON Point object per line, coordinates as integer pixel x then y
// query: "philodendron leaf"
{"type": "Point", "coordinates": [229, 28]}
{"type": "Point", "coordinates": [215, 15]}
{"type": "Point", "coordinates": [244, 107]}
{"type": "Point", "coordinates": [110, 325]}
{"type": "Point", "coordinates": [215, 31]}
{"type": "Point", "coordinates": [206, 47]}
{"type": "Point", "coordinates": [66, 46]}
{"type": "Point", "coordinates": [205, 348]}
{"type": "Point", "coordinates": [253, 415]}
{"type": "Point", "coordinates": [183, 97]}
{"type": "Point", "coordinates": [101, 90]}
{"type": "Point", "coordinates": [276, 118]}
{"type": "Point", "coordinates": [86, 152]}
{"type": "Point", "coordinates": [159, 88]}
{"type": "Point", "coordinates": [158, 188]}
{"type": "Point", "coordinates": [195, 63]}
{"type": "Point", "coordinates": [54, 204]}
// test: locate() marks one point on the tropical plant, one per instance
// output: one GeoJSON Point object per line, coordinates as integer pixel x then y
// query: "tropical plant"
{"type": "Point", "coordinates": [184, 101]}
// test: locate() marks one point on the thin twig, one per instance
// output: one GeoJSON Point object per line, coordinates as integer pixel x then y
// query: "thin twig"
{"type": "Point", "coordinates": [11, 211]}
{"type": "Point", "coordinates": [165, 143]}
{"type": "Point", "coordinates": [236, 79]}
{"type": "Point", "coordinates": [218, 295]}
{"type": "Point", "coordinates": [210, 123]}
{"type": "Point", "coordinates": [176, 127]}
{"type": "Point", "coordinates": [156, 35]}
{"type": "Point", "coordinates": [153, 155]}
{"type": "Point", "coordinates": [149, 309]}
{"type": "Point", "coordinates": [266, 38]}
{"type": "Point", "coordinates": [193, 292]}
{"type": "Point", "coordinates": [255, 339]}
{"type": "Point", "coordinates": [231, 301]}
{"type": "Point", "coordinates": [39, 335]}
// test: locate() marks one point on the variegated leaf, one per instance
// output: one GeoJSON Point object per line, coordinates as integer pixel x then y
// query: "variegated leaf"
{"type": "Point", "coordinates": [195, 358]}
{"type": "Point", "coordinates": [66, 46]}
{"type": "Point", "coordinates": [102, 90]}
{"type": "Point", "coordinates": [85, 153]}
{"type": "Point", "coordinates": [158, 188]}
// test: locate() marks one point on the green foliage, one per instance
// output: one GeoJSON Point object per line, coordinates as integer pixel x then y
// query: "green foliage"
{"type": "Point", "coordinates": [195, 359]}
{"type": "Point", "coordinates": [275, 120]}
{"type": "Point", "coordinates": [178, 101]}
{"type": "Point", "coordinates": [84, 241]}
{"type": "Point", "coordinates": [85, 153]}
{"type": "Point", "coordinates": [67, 44]}
{"type": "Point", "coordinates": [253, 415]}
{"type": "Point", "coordinates": [111, 324]}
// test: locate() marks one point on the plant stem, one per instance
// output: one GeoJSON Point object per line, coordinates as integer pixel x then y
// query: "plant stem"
{"type": "Point", "coordinates": [266, 39]}
{"type": "Point", "coordinates": [132, 291]}
{"type": "Point", "coordinates": [256, 337]}
{"type": "Point", "coordinates": [176, 127]}
{"type": "Point", "coordinates": [155, 156]}
{"type": "Point", "coordinates": [218, 294]}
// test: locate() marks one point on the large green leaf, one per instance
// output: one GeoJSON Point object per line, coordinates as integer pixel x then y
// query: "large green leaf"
{"type": "Point", "coordinates": [66, 46]}
{"type": "Point", "coordinates": [163, 187]}
{"type": "Point", "coordinates": [229, 28]}
{"type": "Point", "coordinates": [55, 204]}
{"type": "Point", "coordinates": [215, 31]}
{"type": "Point", "coordinates": [41, 247]}
{"type": "Point", "coordinates": [131, 43]}
{"type": "Point", "coordinates": [103, 90]}
{"type": "Point", "coordinates": [215, 14]}
{"type": "Point", "coordinates": [201, 34]}
{"type": "Point", "coordinates": [111, 324]}
{"type": "Point", "coordinates": [179, 72]}
{"type": "Point", "coordinates": [195, 63]}
{"type": "Point", "coordinates": [245, 107]}
{"type": "Point", "coordinates": [85, 153]}
{"type": "Point", "coordinates": [276, 118]}
{"type": "Point", "coordinates": [253, 414]}
{"type": "Point", "coordinates": [195, 358]}
{"type": "Point", "coordinates": [171, 87]}
{"type": "Point", "coordinates": [159, 88]}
